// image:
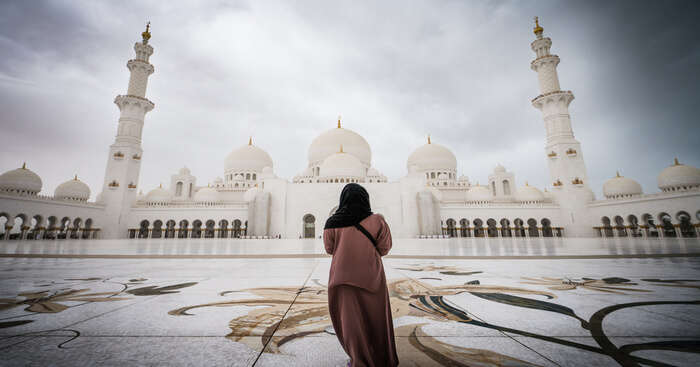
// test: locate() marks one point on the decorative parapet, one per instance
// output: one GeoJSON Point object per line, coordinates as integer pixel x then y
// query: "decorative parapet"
{"type": "Point", "coordinates": [552, 154]}
{"type": "Point", "coordinates": [557, 183]}
{"type": "Point", "coordinates": [577, 181]}
{"type": "Point", "coordinates": [136, 157]}
{"type": "Point", "coordinates": [113, 185]}
{"type": "Point", "coordinates": [571, 152]}
{"type": "Point", "coordinates": [132, 186]}
{"type": "Point", "coordinates": [118, 155]}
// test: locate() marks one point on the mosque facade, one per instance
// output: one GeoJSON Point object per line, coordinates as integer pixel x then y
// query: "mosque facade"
{"type": "Point", "coordinates": [433, 200]}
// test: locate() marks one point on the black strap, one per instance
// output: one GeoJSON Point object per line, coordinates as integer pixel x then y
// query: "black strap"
{"type": "Point", "coordinates": [363, 230]}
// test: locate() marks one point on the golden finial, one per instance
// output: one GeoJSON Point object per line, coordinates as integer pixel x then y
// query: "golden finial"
{"type": "Point", "coordinates": [147, 34]}
{"type": "Point", "coordinates": [675, 162]}
{"type": "Point", "coordinates": [75, 177]}
{"type": "Point", "coordinates": [429, 139]}
{"type": "Point", "coordinates": [617, 173]}
{"type": "Point", "coordinates": [24, 165]}
{"type": "Point", "coordinates": [250, 140]}
{"type": "Point", "coordinates": [338, 121]}
{"type": "Point", "coordinates": [526, 183]}
{"type": "Point", "coordinates": [160, 185]}
{"type": "Point", "coordinates": [537, 29]}
{"type": "Point", "coordinates": [341, 149]}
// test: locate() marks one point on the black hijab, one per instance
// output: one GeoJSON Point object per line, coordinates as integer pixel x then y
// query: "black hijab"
{"type": "Point", "coordinates": [353, 207]}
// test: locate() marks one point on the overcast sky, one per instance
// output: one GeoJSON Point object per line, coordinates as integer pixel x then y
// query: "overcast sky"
{"type": "Point", "coordinates": [395, 70]}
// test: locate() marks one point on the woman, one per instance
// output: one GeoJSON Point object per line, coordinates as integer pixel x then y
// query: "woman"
{"type": "Point", "coordinates": [358, 299]}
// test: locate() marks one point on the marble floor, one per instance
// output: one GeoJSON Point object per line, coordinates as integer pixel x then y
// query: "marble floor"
{"type": "Point", "coordinates": [457, 302]}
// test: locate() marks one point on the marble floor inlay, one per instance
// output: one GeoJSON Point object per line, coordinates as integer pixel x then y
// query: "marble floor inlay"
{"type": "Point", "coordinates": [450, 307]}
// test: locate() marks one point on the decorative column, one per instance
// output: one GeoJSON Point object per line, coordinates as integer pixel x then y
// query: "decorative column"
{"type": "Point", "coordinates": [527, 232]}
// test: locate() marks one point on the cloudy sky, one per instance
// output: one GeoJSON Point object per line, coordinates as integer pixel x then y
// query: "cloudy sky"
{"type": "Point", "coordinates": [395, 70]}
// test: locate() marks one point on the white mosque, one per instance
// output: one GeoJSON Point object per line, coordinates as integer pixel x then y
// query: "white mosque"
{"type": "Point", "coordinates": [431, 201]}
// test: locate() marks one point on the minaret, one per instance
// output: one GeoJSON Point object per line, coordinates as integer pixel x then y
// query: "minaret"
{"type": "Point", "coordinates": [567, 171]}
{"type": "Point", "coordinates": [562, 150]}
{"type": "Point", "coordinates": [124, 159]}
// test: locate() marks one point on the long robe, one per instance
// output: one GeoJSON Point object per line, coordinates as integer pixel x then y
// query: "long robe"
{"type": "Point", "coordinates": [358, 298]}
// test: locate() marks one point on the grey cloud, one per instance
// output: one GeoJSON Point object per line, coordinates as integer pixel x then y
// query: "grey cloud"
{"type": "Point", "coordinates": [396, 71]}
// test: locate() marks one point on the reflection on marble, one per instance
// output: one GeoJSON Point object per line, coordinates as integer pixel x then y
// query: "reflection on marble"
{"type": "Point", "coordinates": [466, 247]}
{"type": "Point", "coordinates": [266, 310]}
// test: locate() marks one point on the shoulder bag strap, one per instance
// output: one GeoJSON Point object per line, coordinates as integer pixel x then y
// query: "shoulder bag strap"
{"type": "Point", "coordinates": [366, 233]}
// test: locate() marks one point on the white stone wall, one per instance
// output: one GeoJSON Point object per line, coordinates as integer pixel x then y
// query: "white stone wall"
{"type": "Point", "coordinates": [29, 207]}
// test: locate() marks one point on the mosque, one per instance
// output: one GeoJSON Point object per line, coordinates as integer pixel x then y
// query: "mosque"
{"type": "Point", "coordinates": [432, 200]}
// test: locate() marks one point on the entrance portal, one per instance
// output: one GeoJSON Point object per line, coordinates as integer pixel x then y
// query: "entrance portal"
{"type": "Point", "coordinates": [309, 226]}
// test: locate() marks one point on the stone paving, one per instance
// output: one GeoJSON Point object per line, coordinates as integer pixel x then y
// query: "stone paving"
{"type": "Point", "coordinates": [466, 302]}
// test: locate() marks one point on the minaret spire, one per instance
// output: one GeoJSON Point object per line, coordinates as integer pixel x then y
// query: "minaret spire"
{"type": "Point", "coordinates": [124, 159]}
{"type": "Point", "coordinates": [567, 170]}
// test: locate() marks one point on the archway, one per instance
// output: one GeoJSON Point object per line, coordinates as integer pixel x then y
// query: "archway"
{"type": "Point", "coordinates": [648, 221]}
{"type": "Point", "coordinates": [4, 223]}
{"type": "Point", "coordinates": [546, 228]}
{"type": "Point", "coordinates": [492, 228]}
{"type": "Point", "coordinates": [157, 231]}
{"type": "Point", "coordinates": [223, 228]}
{"type": "Point", "coordinates": [685, 224]}
{"type": "Point", "coordinates": [505, 227]}
{"type": "Point", "coordinates": [464, 227]}
{"type": "Point", "coordinates": [170, 229]}
{"type": "Point", "coordinates": [607, 227]}
{"type": "Point", "coordinates": [236, 228]}
{"type": "Point", "coordinates": [478, 228]}
{"type": "Point", "coordinates": [143, 229]}
{"type": "Point", "coordinates": [309, 222]}
{"type": "Point", "coordinates": [532, 228]}
{"type": "Point", "coordinates": [620, 226]}
{"type": "Point", "coordinates": [182, 232]}
{"type": "Point", "coordinates": [197, 229]}
{"type": "Point", "coordinates": [634, 226]}
{"type": "Point", "coordinates": [667, 224]}
{"type": "Point", "coordinates": [451, 228]}
{"type": "Point", "coordinates": [51, 228]}
{"type": "Point", "coordinates": [519, 227]}
{"type": "Point", "coordinates": [209, 231]}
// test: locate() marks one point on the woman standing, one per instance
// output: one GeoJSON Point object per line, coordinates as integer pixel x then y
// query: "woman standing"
{"type": "Point", "coordinates": [358, 299]}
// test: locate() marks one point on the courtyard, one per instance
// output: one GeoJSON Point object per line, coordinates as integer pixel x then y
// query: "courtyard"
{"type": "Point", "coordinates": [456, 302]}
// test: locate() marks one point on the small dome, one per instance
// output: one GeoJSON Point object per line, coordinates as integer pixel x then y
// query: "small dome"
{"type": "Point", "coordinates": [679, 177]}
{"type": "Point", "coordinates": [72, 190]}
{"type": "Point", "coordinates": [620, 187]}
{"type": "Point", "coordinates": [432, 156]}
{"type": "Point", "coordinates": [206, 195]}
{"type": "Point", "coordinates": [251, 194]}
{"type": "Point", "coordinates": [478, 194]}
{"type": "Point", "coordinates": [139, 197]}
{"type": "Point", "coordinates": [218, 181]}
{"type": "Point", "coordinates": [326, 144]}
{"type": "Point", "coordinates": [342, 164]}
{"type": "Point", "coordinates": [529, 194]}
{"type": "Point", "coordinates": [247, 158]}
{"type": "Point", "coordinates": [499, 169]}
{"type": "Point", "coordinates": [184, 171]}
{"type": "Point", "coordinates": [159, 195]}
{"type": "Point", "coordinates": [21, 180]}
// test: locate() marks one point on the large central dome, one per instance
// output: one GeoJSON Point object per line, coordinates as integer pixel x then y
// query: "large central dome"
{"type": "Point", "coordinates": [329, 142]}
